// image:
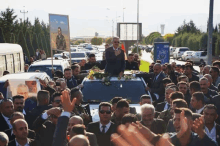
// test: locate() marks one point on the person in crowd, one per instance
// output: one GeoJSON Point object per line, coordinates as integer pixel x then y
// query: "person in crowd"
{"type": "Point", "coordinates": [61, 84]}
{"type": "Point", "coordinates": [79, 110]}
{"type": "Point", "coordinates": [210, 83]}
{"type": "Point", "coordinates": [103, 128]}
{"type": "Point", "coordinates": [43, 99]}
{"type": "Point", "coordinates": [20, 130]}
{"type": "Point", "coordinates": [82, 64]}
{"type": "Point", "coordinates": [184, 134]}
{"type": "Point", "coordinates": [147, 119]}
{"type": "Point", "coordinates": [56, 99]}
{"type": "Point", "coordinates": [114, 102]}
{"type": "Point", "coordinates": [189, 73]}
{"type": "Point", "coordinates": [9, 132]}
{"type": "Point", "coordinates": [77, 129]}
{"type": "Point", "coordinates": [166, 115]}
{"type": "Point", "coordinates": [52, 84]}
{"type": "Point", "coordinates": [183, 78]}
{"type": "Point", "coordinates": [205, 89]}
{"type": "Point", "coordinates": [194, 87]}
{"type": "Point", "coordinates": [164, 68]}
{"type": "Point", "coordinates": [214, 72]}
{"type": "Point", "coordinates": [206, 69]}
{"type": "Point", "coordinates": [122, 108]}
{"type": "Point", "coordinates": [43, 55]}
{"type": "Point", "coordinates": [6, 72]}
{"type": "Point", "coordinates": [7, 109]}
{"type": "Point", "coordinates": [166, 104]}
{"type": "Point", "coordinates": [130, 63]}
{"type": "Point", "coordinates": [166, 81]}
{"type": "Point", "coordinates": [177, 103]}
{"type": "Point", "coordinates": [212, 129]}
{"type": "Point", "coordinates": [194, 71]}
{"type": "Point", "coordinates": [127, 119]}
{"type": "Point", "coordinates": [26, 67]}
{"type": "Point", "coordinates": [31, 60]}
{"type": "Point", "coordinates": [103, 62]}
{"type": "Point", "coordinates": [136, 58]}
{"type": "Point", "coordinates": [38, 55]}
{"type": "Point", "coordinates": [198, 102]}
{"type": "Point", "coordinates": [151, 67]}
{"type": "Point", "coordinates": [178, 69]}
{"type": "Point", "coordinates": [75, 72]}
{"type": "Point", "coordinates": [216, 64]}
{"type": "Point", "coordinates": [3, 139]}
{"type": "Point", "coordinates": [115, 59]}
{"type": "Point", "coordinates": [172, 74]}
{"type": "Point", "coordinates": [70, 80]}
{"type": "Point", "coordinates": [77, 120]}
{"type": "Point", "coordinates": [18, 101]}
{"type": "Point", "coordinates": [183, 87]}
{"type": "Point", "coordinates": [58, 73]}
{"type": "Point", "coordinates": [79, 140]}
{"type": "Point", "coordinates": [91, 62]}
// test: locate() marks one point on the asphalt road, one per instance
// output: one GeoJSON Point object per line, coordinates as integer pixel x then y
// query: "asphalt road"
{"type": "Point", "coordinates": [147, 57]}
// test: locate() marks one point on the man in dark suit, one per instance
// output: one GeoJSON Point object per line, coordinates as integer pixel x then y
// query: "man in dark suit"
{"type": "Point", "coordinates": [9, 132]}
{"type": "Point", "coordinates": [92, 62]}
{"type": "Point", "coordinates": [183, 87]}
{"type": "Point", "coordinates": [211, 128]}
{"type": "Point", "coordinates": [43, 98]}
{"type": "Point", "coordinates": [20, 130]}
{"type": "Point", "coordinates": [189, 73]}
{"type": "Point", "coordinates": [130, 63]}
{"type": "Point", "coordinates": [104, 128]}
{"type": "Point", "coordinates": [155, 125]}
{"type": "Point", "coordinates": [70, 80]}
{"type": "Point", "coordinates": [18, 101]}
{"type": "Point", "coordinates": [198, 102]}
{"type": "Point", "coordinates": [7, 110]}
{"type": "Point", "coordinates": [115, 59]}
{"type": "Point", "coordinates": [210, 82]}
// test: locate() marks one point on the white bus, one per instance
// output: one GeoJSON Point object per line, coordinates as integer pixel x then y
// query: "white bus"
{"type": "Point", "coordinates": [11, 58]}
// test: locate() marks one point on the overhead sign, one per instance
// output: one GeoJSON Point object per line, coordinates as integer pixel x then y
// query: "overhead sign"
{"type": "Point", "coordinates": [162, 52]}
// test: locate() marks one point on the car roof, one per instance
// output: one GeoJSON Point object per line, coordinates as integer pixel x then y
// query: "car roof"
{"type": "Point", "coordinates": [48, 62]}
{"type": "Point", "coordinates": [24, 76]}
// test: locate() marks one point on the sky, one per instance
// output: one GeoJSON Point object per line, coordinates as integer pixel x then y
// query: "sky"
{"type": "Point", "coordinates": [89, 16]}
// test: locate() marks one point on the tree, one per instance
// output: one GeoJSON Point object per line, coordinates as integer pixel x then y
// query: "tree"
{"type": "Point", "coordinates": [217, 46]}
{"type": "Point", "coordinates": [29, 43]}
{"type": "Point", "coordinates": [216, 29]}
{"type": "Point", "coordinates": [150, 38]}
{"type": "Point", "coordinates": [203, 41]}
{"type": "Point", "coordinates": [96, 41]}
{"type": "Point", "coordinates": [35, 42]}
{"type": "Point", "coordinates": [22, 42]}
{"type": "Point", "coordinates": [108, 40]}
{"type": "Point", "coordinates": [169, 38]}
{"type": "Point", "coordinates": [40, 43]}
{"type": "Point", "coordinates": [2, 38]}
{"type": "Point", "coordinates": [159, 39]}
{"type": "Point", "coordinates": [12, 38]}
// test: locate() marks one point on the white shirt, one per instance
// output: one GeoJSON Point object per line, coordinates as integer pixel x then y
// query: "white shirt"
{"type": "Point", "coordinates": [200, 110]}
{"type": "Point", "coordinates": [212, 133]}
{"type": "Point", "coordinates": [106, 128]}
{"type": "Point", "coordinates": [17, 144]}
{"type": "Point", "coordinates": [166, 107]}
{"type": "Point", "coordinates": [24, 112]}
{"type": "Point", "coordinates": [8, 121]}
{"type": "Point", "coordinates": [115, 49]}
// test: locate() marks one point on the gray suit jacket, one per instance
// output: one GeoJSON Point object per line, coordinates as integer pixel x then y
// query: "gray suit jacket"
{"type": "Point", "coordinates": [59, 137]}
{"type": "Point", "coordinates": [92, 139]}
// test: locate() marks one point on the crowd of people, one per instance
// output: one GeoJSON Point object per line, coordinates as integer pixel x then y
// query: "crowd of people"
{"type": "Point", "coordinates": [181, 109]}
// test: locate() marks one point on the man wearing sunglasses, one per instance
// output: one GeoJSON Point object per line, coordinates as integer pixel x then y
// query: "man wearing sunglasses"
{"type": "Point", "coordinates": [56, 100]}
{"type": "Point", "coordinates": [104, 128]}
{"type": "Point", "coordinates": [115, 59]}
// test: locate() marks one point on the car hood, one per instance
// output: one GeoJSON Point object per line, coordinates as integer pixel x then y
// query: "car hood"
{"type": "Point", "coordinates": [94, 110]}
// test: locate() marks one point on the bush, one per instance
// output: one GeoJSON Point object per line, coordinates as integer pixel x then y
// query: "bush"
{"type": "Point", "coordinates": [159, 39]}
{"type": "Point", "coordinates": [96, 41]}
{"type": "Point", "coordinates": [134, 50]}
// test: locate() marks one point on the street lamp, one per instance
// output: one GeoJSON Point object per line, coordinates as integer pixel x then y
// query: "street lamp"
{"type": "Point", "coordinates": [123, 14]}
{"type": "Point", "coordinates": [112, 27]}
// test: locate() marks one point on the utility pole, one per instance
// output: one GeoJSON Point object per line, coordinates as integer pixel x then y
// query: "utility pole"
{"type": "Point", "coordinates": [137, 22]}
{"type": "Point", "coordinates": [24, 13]}
{"type": "Point", "coordinates": [123, 15]}
{"type": "Point", "coordinates": [210, 30]}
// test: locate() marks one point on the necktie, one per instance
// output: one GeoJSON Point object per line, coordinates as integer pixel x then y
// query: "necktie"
{"type": "Point", "coordinates": [103, 129]}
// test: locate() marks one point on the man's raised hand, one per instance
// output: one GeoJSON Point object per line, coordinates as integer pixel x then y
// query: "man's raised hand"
{"type": "Point", "coordinates": [68, 106]}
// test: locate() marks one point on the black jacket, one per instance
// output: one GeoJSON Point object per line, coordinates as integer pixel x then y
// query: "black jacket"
{"type": "Point", "coordinates": [3, 126]}
{"type": "Point", "coordinates": [194, 78]}
{"type": "Point", "coordinates": [31, 134]}
{"type": "Point", "coordinates": [90, 65]}
{"type": "Point", "coordinates": [131, 66]}
{"type": "Point", "coordinates": [158, 126]}
{"type": "Point", "coordinates": [31, 143]}
{"type": "Point", "coordinates": [102, 139]}
{"type": "Point", "coordinates": [114, 64]}
{"type": "Point", "coordinates": [160, 106]}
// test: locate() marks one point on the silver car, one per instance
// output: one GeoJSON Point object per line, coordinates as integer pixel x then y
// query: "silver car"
{"type": "Point", "coordinates": [177, 54]}
{"type": "Point", "coordinates": [199, 57]}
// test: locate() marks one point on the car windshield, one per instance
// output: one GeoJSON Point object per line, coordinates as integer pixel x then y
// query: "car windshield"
{"type": "Point", "coordinates": [97, 92]}
{"type": "Point", "coordinates": [189, 53]}
{"type": "Point", "coordinates": [77, 55]}
{"type": "Point", "coordinates": [45, 68]}
{"type": "Point", "coordinates": [184, 49]}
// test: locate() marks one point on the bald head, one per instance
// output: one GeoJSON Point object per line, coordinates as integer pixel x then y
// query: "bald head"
{"type": "Point", "coordinates": [3, 139]}
{"type": "Point", "coordinates": [209, 77]}
{"type": "Point", "coordinates": [73, 121]}
{"type": "Point", "coordinates": [19, 122]}
{"type": "Point", "coordinates": [79, 140]}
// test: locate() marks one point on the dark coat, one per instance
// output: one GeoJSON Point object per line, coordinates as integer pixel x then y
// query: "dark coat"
{"type": "Point", "coordinates": [218, 133]}
{"type": "Point", "coordinates": [92, 139]}
{"type": "Point", "coordinates": [3, 126]}
{"type": "Point", "coordinates": [131, 66]}
{"type": "Point", "coordinates": [158, 126]}
{"type": "Point", "coordinates": [160, 106]}
{"type": "Point", "coordinates": [114, 64]}
{"type": "Point", "coordinates": [91, 65]}
{"type": "Point", "coordinates": [102, 139]}
{"type": "Point", "coordinates": [31, 143]}
{"type": "Point", "coordinates": [31, 134]}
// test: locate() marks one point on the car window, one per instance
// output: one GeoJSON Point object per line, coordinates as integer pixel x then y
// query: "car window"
{"type": "Point", "coordinates": [95, 90]}
{"type": "Point", "coordinates": [45, 68]}
{"type": "Point", "coordinates": [203, 53]}
{"type": "Point", "coordinates": [184, 49]}
{"type": "Point", "coordinates": [77, 55]}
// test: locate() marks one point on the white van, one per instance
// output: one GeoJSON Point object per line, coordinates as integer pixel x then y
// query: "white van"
{"type": "Point", "coordinates": [11, 58]}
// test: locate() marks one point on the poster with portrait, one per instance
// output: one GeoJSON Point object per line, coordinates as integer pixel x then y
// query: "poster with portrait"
{"type": "Point", "coordinates": [59, 32]}
{"type": "Point", "coordinates": [26, 88]}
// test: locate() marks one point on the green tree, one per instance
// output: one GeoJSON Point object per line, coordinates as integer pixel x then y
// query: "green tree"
{"type": "Point", "coordinates": [203, 41]}
{"type": "Point", "coordinates": [169, 38]}
{"type": "Point", "coordinates": [29, 43]}
{"type": "Point", "coordinates": [22, 42]}
{"type": "Point", "coordinates": [150, 38]}
{"type": "Point", "coordinates": [40, 43]}
{"type": "Point", "coordinates": [2, 38]}
{"type": "Point", "coordinates": [159, 39]}
{"type": "Point", "coordinates": [12, 38]}
{"type": "Point", "coordinates": [108, 40]}
{"type": "Point", "coordinates": [217, 46]}
{"type": "Point", "coordinates": [35, 42]}
{"type": "Point", "coordinates": [216, 29]}
{"type": "Point", "coordinates": [96, 41]}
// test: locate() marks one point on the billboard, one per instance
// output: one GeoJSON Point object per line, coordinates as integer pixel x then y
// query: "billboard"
{"type": "Point", "coordinates": [59, 32]}
{"type": "Point", "coordinates": [129, 31]}
{"type": "Point", "coordinates": [162, 52]}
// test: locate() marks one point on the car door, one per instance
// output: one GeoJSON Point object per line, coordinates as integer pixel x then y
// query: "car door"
{"type": "Point", "coordinates": [197, 58]}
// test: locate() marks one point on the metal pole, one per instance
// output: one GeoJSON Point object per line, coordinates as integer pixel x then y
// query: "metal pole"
{"type": "Point", "coordinates": [210, 30]}
{"type": "Point", "coordinates": [123, 16]}
{"type": "Point", "coordinates": [24, 13]}
{"type": "Point", "coordinates": [137, 22]}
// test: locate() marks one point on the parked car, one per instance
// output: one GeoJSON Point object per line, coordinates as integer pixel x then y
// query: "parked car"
{"type": "Point", "coordinates": [199, 57]}
{"type": "Point", "coordinates": [77, 56]}
{"type": "Point", "coordinates": [46, 66]}
{"type": "Point", "coordinates": [172, 49]}
{"type": "Point", "coordinates": [27, 83]}
{"type": "Point", "coordinates": [187, 55]}
{"type": "Point", "coordinates": [177, 54]}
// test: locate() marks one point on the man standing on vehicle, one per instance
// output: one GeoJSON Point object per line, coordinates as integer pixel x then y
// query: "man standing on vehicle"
{"type": "Point", "coordinates": [60, 40]}
{"type": "Point", "coordinates": [131, 64]}
{"type": "Point", "coordinates": [70, 81]}
{"type": "Point", "coordinates": [115, 59]}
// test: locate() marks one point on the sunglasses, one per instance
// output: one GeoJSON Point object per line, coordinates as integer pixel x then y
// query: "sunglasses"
{"type": "Point", "coordinates": [116, 42]}
{"type": "Point", "coordinates": [107, 112]}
